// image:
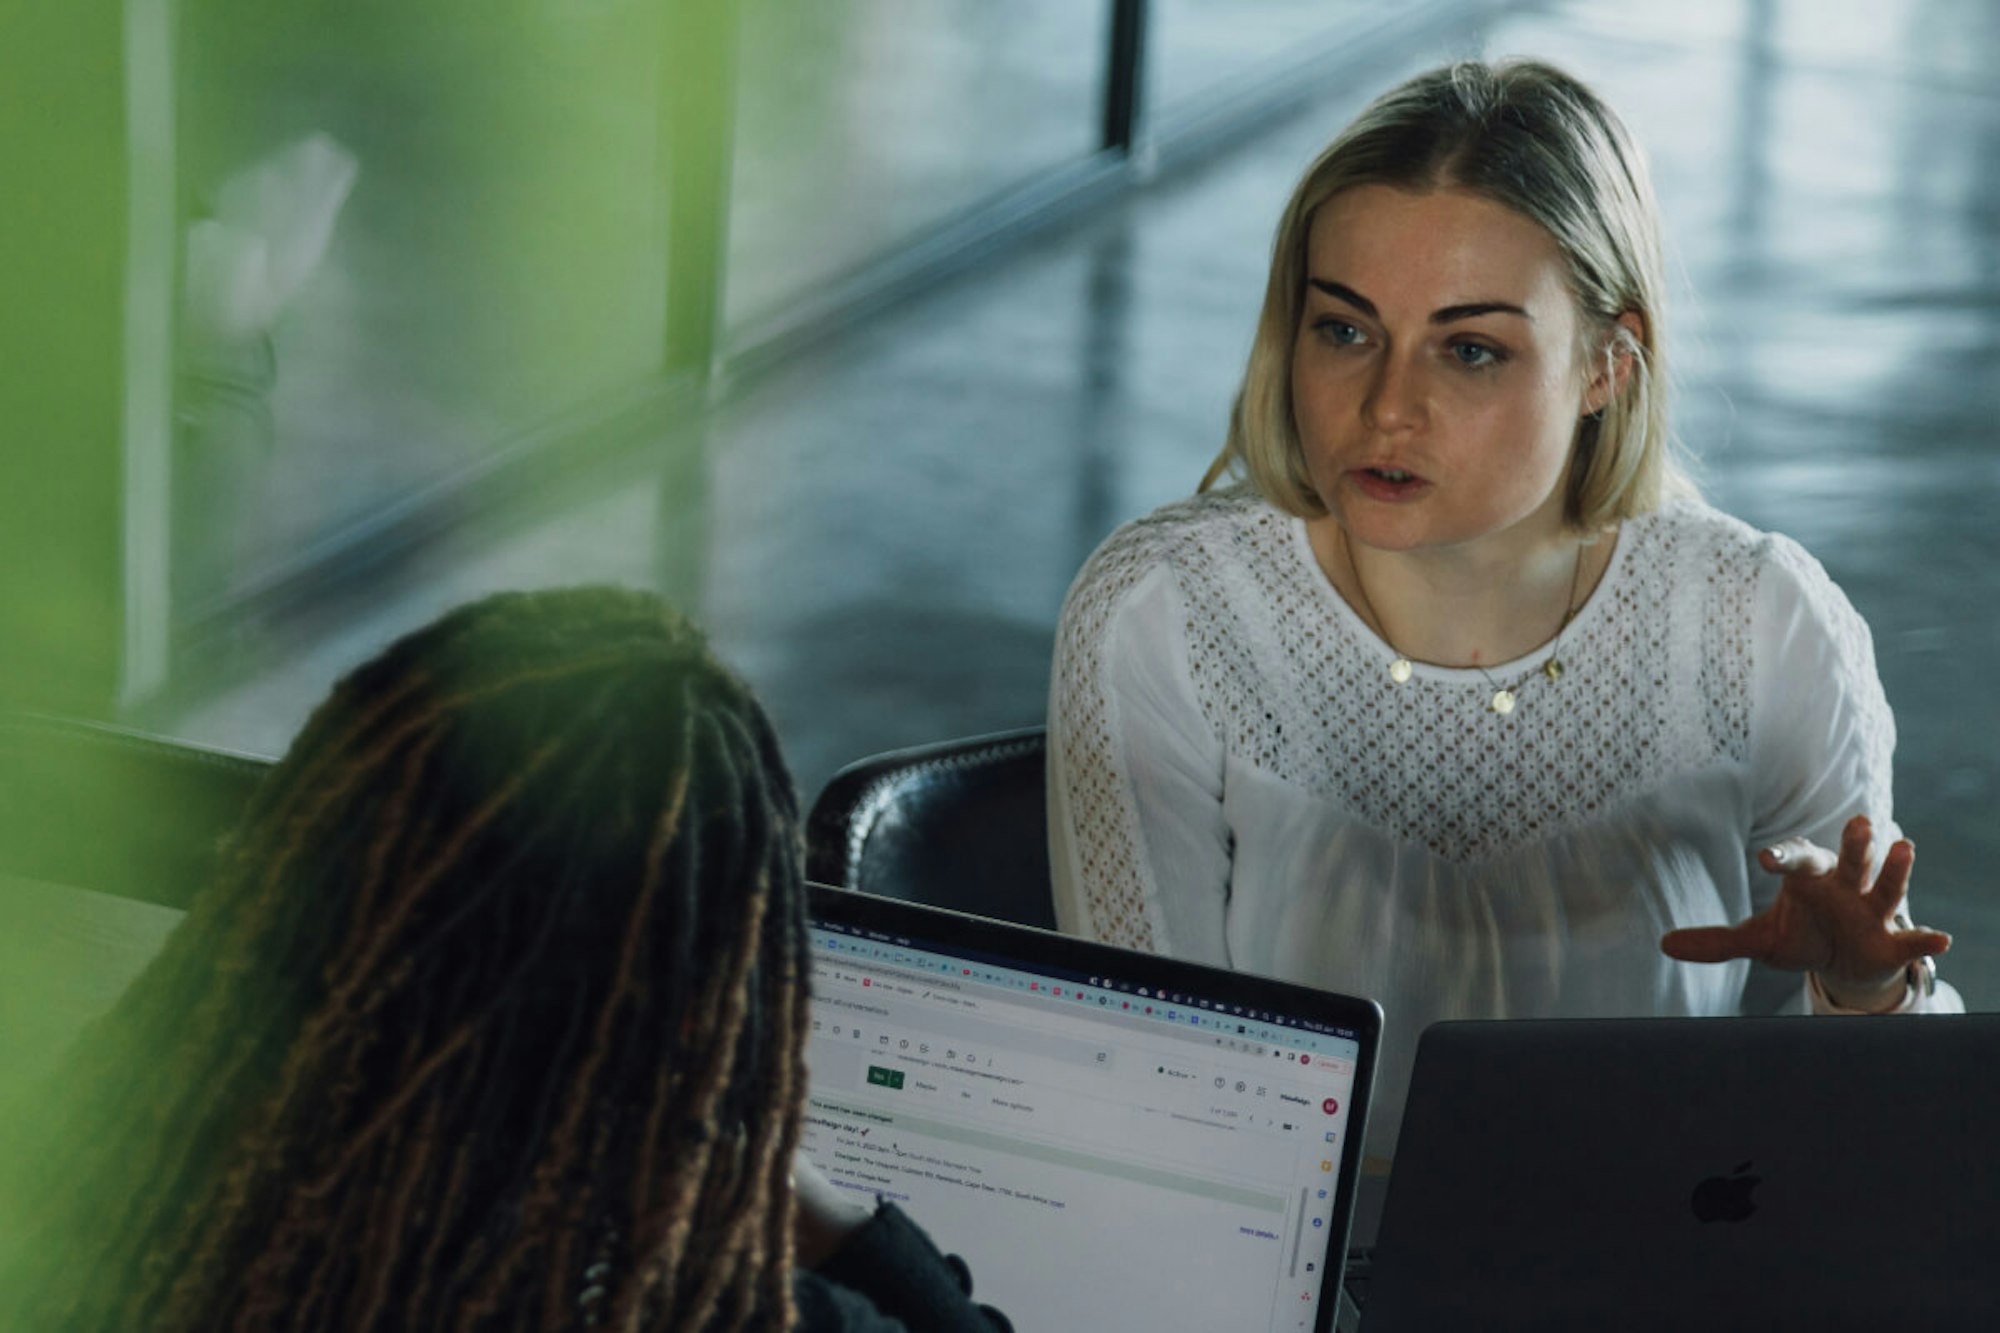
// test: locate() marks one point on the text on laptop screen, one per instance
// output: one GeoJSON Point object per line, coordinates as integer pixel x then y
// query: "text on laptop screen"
{"type": "Point", "coordinates": [1104, 1155]}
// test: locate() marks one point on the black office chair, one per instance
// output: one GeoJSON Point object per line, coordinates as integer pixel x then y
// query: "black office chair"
{"type": "Point", "coordinates": [960, 824]}
{"type": "Point", "coordinates": [98, 807]}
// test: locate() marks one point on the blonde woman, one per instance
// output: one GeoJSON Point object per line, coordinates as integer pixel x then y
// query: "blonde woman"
{"type": "Point", "coordinates": [1448, 689]}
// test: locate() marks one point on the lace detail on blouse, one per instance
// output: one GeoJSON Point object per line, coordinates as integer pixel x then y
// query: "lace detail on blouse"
{"type": "Point", "coordinates": [1657, 681]}
{"type": "Point", "coordinates": [1107, 836]}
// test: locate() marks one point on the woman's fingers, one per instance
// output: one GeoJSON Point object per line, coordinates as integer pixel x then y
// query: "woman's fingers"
{"type": "Point", "coordinates": [1820, 917]}
{"type": "Point", "coordinates": [1857, 837]}
{"type": "Point", "coordinates": [1720, 944]}
{"type": "Point", "coordinates": [1710, 944]}
{"type": "Point", "coordinates": [1893, 884]}
{"type": "Point", "coordinates": [1797, 856]}
{"type": "Point", "coordinates": [1920, 942]}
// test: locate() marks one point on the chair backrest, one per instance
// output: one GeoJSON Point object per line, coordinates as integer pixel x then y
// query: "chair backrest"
{"type": "Point", "coordinates": [960, 824]}
{"type": "Point", "coordinates": [114, 811]}
{"type": "Point", "coordinates": [106, 836]}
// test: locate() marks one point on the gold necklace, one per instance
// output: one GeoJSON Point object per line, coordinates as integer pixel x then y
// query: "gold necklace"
{"type": "Point", "coordinates": [1401, 668]}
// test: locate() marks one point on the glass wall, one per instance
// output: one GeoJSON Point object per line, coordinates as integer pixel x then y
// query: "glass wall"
{"type": "Point", "coordinates": [1202, 49]}
{"type": "Point", "coordinates": [415, 242]}
{"type": "Point", "coordinates": [416, 237]}
{"type": "Point", "coordinates": [862, 124]}
{"type": "Point", "coordinates": [413, 235]}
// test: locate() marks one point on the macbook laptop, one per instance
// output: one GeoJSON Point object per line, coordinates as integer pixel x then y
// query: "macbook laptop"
{"type": "Point", "coordinates": [1112, 1140]}
{"type": "Point", "coordinates": [1697, 1173]}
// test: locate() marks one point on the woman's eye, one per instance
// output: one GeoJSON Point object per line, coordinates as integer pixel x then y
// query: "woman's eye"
{"type": "Point", "coordinates": [1475, 355]}
{"type": "Point", "coordinates": [1340, 331]}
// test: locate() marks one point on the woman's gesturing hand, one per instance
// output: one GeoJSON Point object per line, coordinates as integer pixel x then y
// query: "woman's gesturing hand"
{"type": "Point", "coordinates": [1828, 919]}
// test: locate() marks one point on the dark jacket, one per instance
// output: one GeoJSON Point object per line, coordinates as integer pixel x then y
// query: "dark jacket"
{"type": "Point", "coordinates": [888, 1277]}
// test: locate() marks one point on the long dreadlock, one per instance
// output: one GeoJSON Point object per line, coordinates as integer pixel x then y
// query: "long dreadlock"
{"type": "Point", "coordinates": [493, 1020]}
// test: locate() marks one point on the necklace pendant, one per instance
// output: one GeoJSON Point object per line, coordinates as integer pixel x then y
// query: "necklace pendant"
{"type": "Point", "coordinates": [1552, 669]}
{"type": "Point", "coordinates": [1503, 702]}
{"type": "Point", "coordinates": [1399, 670]}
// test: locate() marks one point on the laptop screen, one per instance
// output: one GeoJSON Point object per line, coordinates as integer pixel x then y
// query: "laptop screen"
{"type": "Point", "coordinates": [1110, 1139]}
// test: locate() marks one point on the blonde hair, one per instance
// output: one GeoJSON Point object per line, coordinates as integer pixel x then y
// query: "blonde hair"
{"type": "Point", "coordinates": [1529, 137]}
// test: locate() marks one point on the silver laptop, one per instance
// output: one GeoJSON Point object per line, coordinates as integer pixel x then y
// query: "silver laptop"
{"type": "Point", "coordinates": [1735, 1173]}
{"type": "Point", "coordinates": [1112, 1140]}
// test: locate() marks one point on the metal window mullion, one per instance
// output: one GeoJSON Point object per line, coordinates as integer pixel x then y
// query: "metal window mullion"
{"type": "Point", "coordinates": [1124, 82]}
{"type": "Point", "coordinates": [697, 108]}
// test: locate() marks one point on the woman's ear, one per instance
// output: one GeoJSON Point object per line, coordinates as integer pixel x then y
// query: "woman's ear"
{"type": "Point", "coordinates": [1611, 368]}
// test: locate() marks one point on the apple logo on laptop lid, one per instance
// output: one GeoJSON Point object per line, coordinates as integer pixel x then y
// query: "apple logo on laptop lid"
{"type": "Point", "coordinates": [1725, 1198]}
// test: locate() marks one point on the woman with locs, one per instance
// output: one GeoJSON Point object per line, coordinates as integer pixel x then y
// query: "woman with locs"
{"type": "Point", "coordinates": [1448, 689]}
{"type": "Point", "coordinates": [493, 1020]}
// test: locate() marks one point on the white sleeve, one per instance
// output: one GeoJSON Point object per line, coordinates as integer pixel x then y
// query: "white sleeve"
{"type": "Point", "coordinates": [1138, 847]}
{"type": "Point", "coordinates": [1822, 738]}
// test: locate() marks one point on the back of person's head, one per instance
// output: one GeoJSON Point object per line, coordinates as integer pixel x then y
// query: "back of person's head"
{"type": "Point", "coordinates": [493, 1020]}
{"type": "Point", "coordinates": [1533, 139]}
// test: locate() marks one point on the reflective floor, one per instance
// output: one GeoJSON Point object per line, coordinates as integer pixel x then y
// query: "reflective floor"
{"type": "Point", "coordinates": [893, 519]}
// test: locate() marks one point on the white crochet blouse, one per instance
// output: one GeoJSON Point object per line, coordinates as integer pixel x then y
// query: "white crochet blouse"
{"type": "Point", "coordinates": [1235, 778]}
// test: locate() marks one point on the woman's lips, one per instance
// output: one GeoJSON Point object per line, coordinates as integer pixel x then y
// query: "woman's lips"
{"type": "Point", "coordinates": [1387, 483]}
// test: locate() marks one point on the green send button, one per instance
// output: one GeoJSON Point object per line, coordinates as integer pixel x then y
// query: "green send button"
{"type": "Point", "coordinates": [885, 1078]}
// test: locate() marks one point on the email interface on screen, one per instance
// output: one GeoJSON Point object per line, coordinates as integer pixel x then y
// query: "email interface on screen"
{"type": "Point", "coordinates": [1105, 1156]}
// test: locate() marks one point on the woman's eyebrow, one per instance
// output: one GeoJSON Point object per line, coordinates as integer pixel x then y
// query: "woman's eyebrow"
{"type": "Point", "coordinates": [1450, 314]}
{"type": "Point", "coordinates": [1340, 291]}
{"type": "Point", "coordinates": [1453, 313]}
